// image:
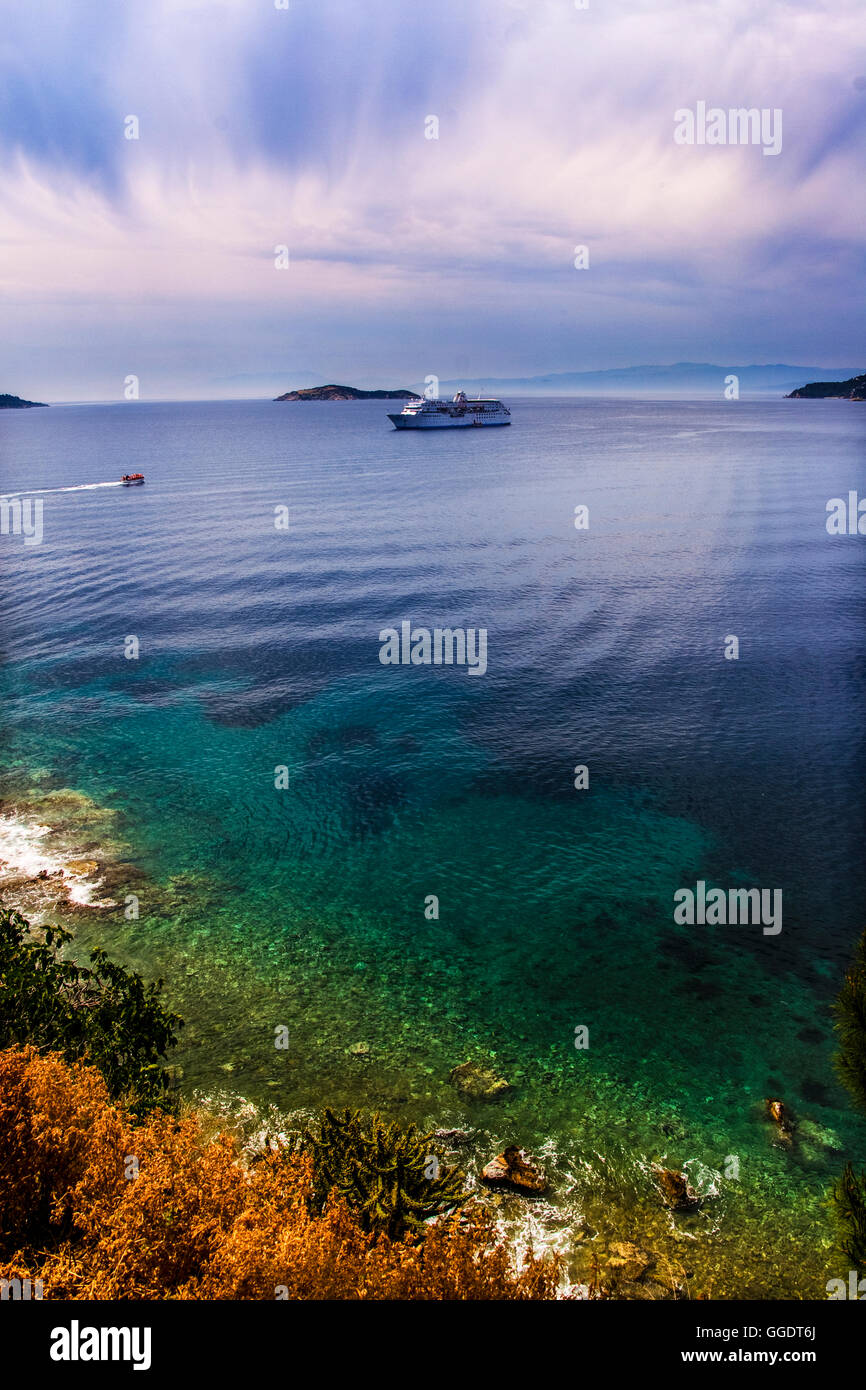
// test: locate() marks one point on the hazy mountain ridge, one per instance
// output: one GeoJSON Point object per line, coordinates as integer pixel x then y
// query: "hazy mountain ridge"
{"type": "Point", "coordinates": [679, 378]}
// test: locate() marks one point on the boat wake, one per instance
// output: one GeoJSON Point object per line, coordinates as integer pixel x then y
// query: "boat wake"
{"type": "Point", "coordinates": [43, 491]}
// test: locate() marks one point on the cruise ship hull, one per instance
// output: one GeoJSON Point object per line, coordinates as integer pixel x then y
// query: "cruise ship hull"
{"type": "Point", "coordinates": [441, 422]}
{"type": "Point", "coordinates": [457, 414]}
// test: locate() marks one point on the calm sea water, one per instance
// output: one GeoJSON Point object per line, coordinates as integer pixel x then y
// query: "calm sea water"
{"type": "Point", "coordinates": [305, 907]}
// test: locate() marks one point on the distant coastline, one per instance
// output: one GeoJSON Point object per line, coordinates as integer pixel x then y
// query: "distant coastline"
{"type": "Point", "coordinates": [854, 389]}
{"type": "Point", "coordinates": [16, 403]}
{"type": "Point", "coordinates": [685, 380]}
{"type": "Point", "coordinates": [346, 393]}
{"type": "Point", "coordinates": [679, 381]}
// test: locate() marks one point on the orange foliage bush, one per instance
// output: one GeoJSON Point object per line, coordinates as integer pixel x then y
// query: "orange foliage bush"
{"type": "Point", "coordinates": [100, 1206]}
{"type": "Point", "coordinates": [56, 1131]}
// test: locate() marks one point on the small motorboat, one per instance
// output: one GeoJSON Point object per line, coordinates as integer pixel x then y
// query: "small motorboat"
{"type": "Point", "coordinates": [132, 479]}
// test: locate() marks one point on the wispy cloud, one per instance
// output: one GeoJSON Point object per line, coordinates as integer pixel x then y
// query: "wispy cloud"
{"type": "Point", "coordinates": [306, 126]}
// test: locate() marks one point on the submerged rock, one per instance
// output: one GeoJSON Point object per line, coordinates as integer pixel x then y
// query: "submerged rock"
{"type": "Point", "coordinates": [675, 1189]}
{"type": "Point", "coordinates": [812, 1136]}
{"type": "Point", "coordinates": [782, 1119]}
{"type": "Point", "coordinates": [647, 1290]}
{"type": "Point", "coordinates": [474, 1082]}
{"type": "Point", "coordinates": [453, 1137]}
{"type": "Point", "coordinates": [628, 1261]}
{"type": "Point", "coordinates": [83, 868]}
{"type": "Point", "coordinates": [514, 1168]}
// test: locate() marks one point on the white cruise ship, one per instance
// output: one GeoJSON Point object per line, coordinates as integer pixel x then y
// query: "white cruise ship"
{"type": "Point", "coordinates": [437, 415]}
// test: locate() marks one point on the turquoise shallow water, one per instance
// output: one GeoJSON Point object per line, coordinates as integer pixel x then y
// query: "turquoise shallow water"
{"type": "Point", "coordinates": [305, 906]}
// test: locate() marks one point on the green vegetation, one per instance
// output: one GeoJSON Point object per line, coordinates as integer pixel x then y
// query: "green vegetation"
{"type": "Point", "coordinates": [101, 1014]}
{"type": "Point", "coordinates": [849, 1201]}
{"type": "Point", "coordinates": [394, 1179]}
{"type": "Point", "coordinates": [854, 389]}
{"type": "Point", "coordinates": [849, 1194]}
{"type": "Point", "coordinates": [346, 393]}
{"type": "Point", "coordinates": [195, 1221]}
{"type": "Point", "coordinates": [850, 1014]}
{"type": "Point", "coordinates": [8, 402]}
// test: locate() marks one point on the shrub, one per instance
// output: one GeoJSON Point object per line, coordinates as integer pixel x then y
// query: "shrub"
{"type": "Point", "coordinates": [395, 1179]}
{"type": "Point", "coordinates": [849, 1200]}
{"type": "Point", "coordinates": [849, 1193]}
{"type": "Point", "coordinates": [102, 1013]}
{"type": "Point", "coordinates": [55, 1129]}
{"type": "Point", "coordinates": [188, 1220]}
{"type": "Point", "coordinates": [850, 1012]}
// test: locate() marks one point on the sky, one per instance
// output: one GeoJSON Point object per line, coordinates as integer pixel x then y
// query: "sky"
{"type": "Point", "coordinates": [308, 127]}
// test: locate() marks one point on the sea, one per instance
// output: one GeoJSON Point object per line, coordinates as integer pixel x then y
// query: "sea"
{"type": "Point", "coordinates": [356, 876]}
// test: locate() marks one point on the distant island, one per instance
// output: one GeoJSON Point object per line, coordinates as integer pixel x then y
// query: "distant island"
{"type": "Point", "coordinates": [854, 389]}
{"type": "Point", "coordinates": [346, 393]}
{"type": "Point", "coordinates": [16, 403]}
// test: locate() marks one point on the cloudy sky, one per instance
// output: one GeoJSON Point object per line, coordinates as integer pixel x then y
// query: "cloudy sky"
{"type": "Point", "coordinates": [307, 127]}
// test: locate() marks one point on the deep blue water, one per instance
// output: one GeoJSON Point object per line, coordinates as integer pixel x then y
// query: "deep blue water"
{"type": "Point", "coordinates": [260, 648]}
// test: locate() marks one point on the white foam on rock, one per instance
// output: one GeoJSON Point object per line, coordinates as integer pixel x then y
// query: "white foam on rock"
{"type": "Point", "coordinates": [22, 851]}
{"type": "Point", "coordinates": [27, 849]}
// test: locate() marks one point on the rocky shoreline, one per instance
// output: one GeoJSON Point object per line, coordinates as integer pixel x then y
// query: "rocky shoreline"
{"type": "Point", "coordinates": [64, 857]}
{"type": "Point", "coordinates": [58, 853]}
{"type": "Point", "coordinates": [8, 402]}
{"type": "Point", "coordinates": [854, 389]}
